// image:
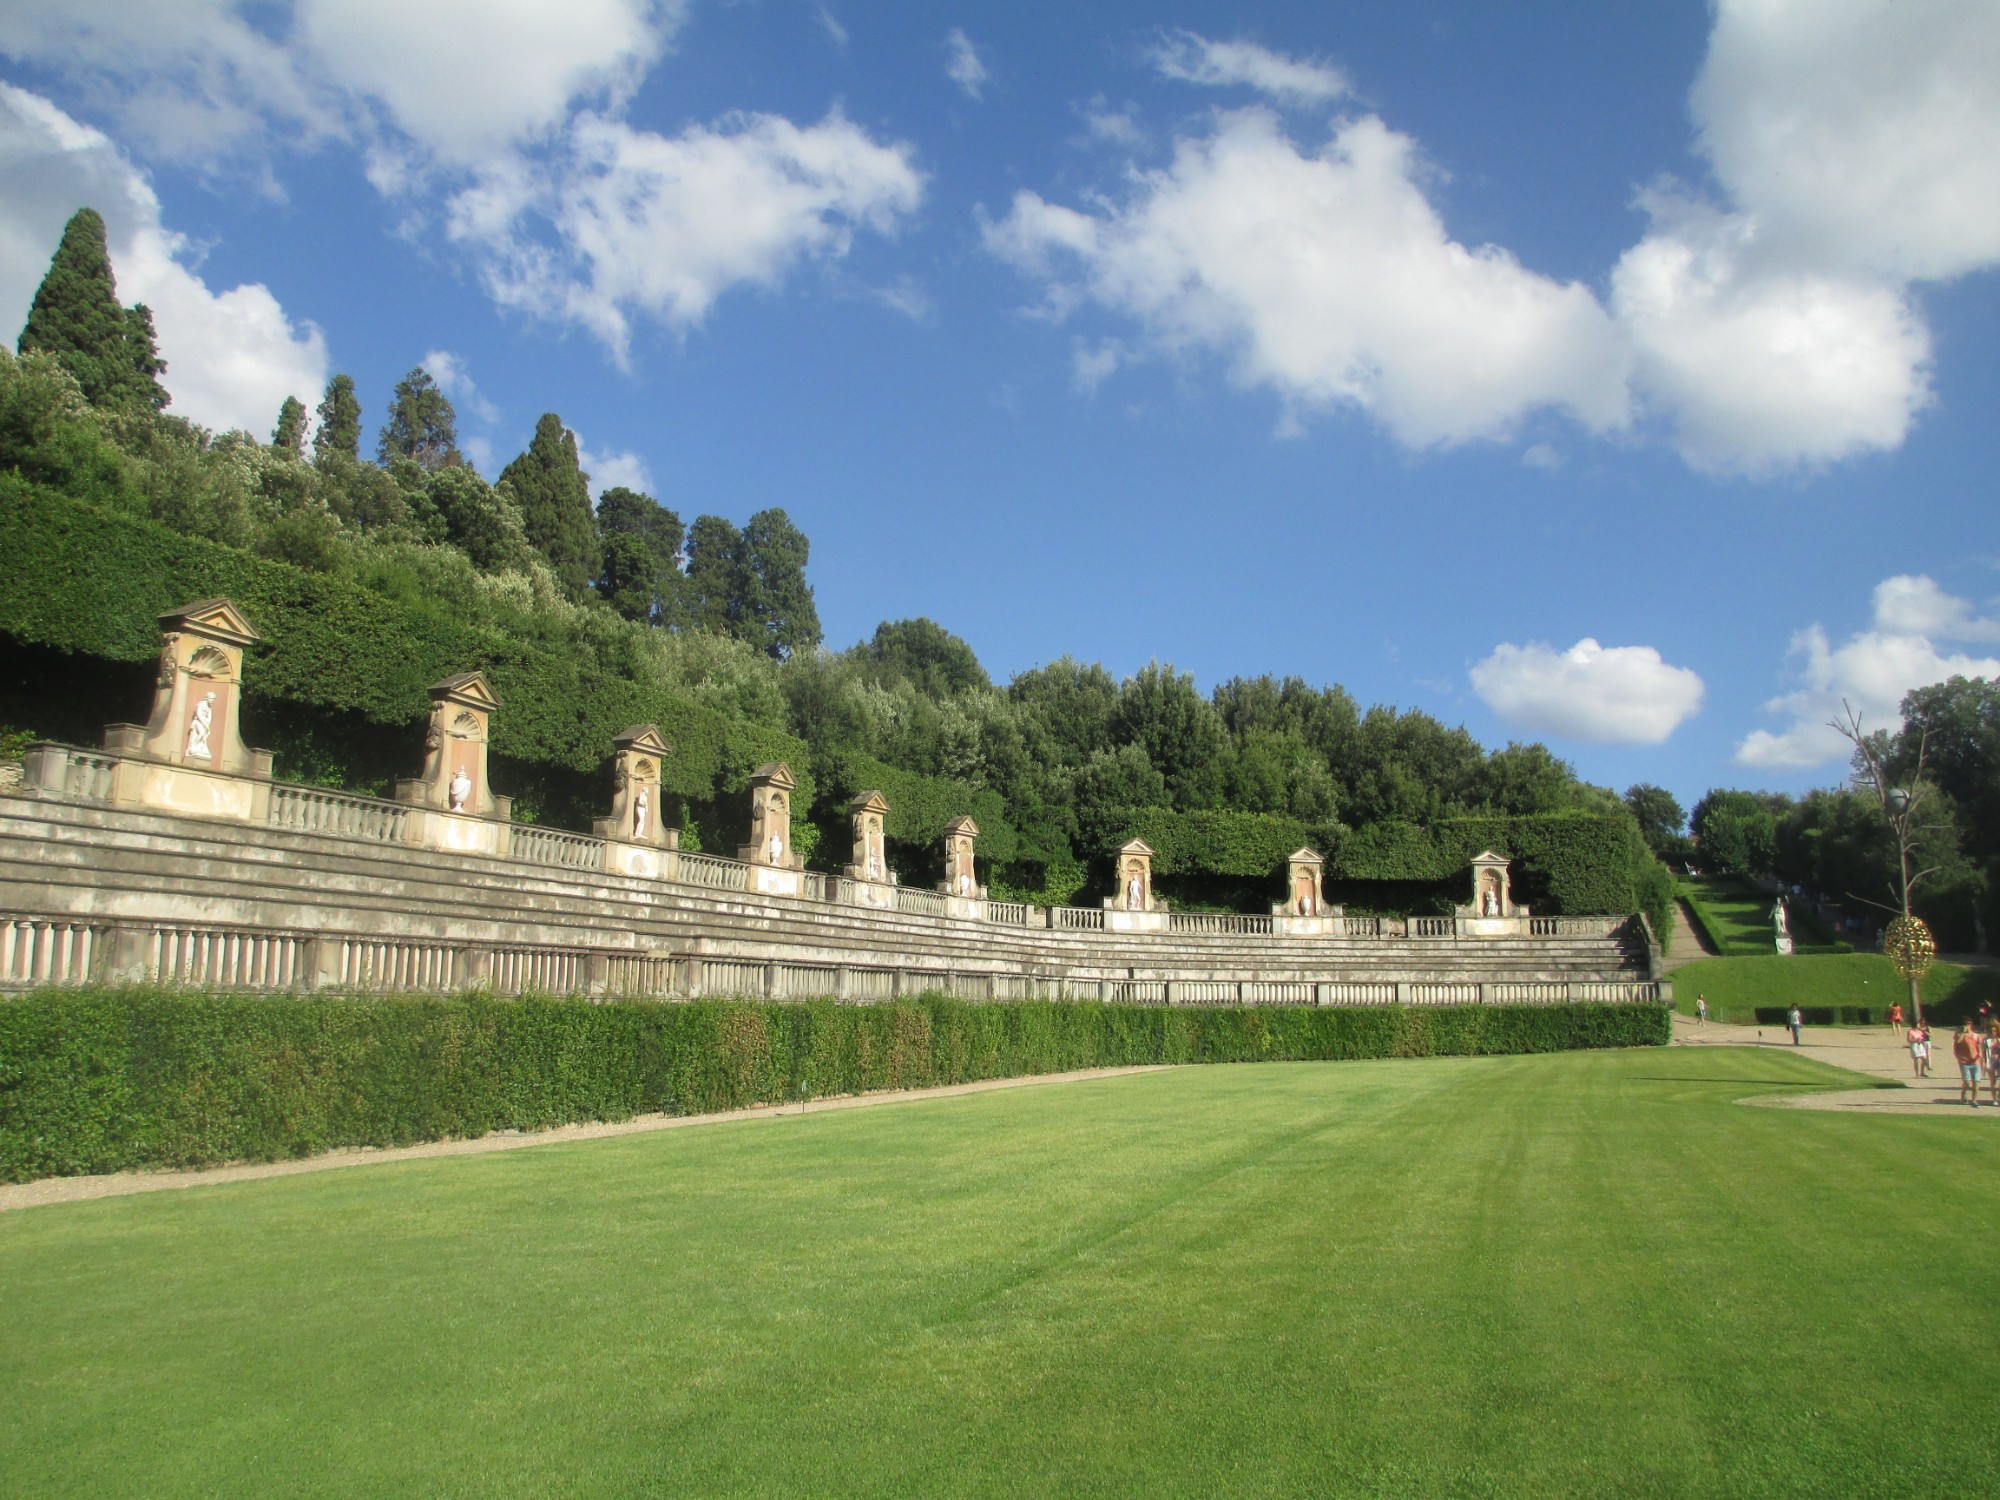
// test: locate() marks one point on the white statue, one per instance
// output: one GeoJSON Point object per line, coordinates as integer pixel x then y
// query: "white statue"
{"type": "Point", "coordinates": [641, 805]}
{"type": "Point", "coordinates": [1135, 894]}
{"type": "Point", "coordinates": [777, 848]}
{"type": "Point", "coordinates": [1489, 904]}
{"type": "Point", "coordinates": [1305, 901]}
{"type": "Point", "coordinates": [199, 727]}
{"type": "Point", "coordinates": [458, 791]}
{"type": "Point", "coordinates": [1778, 916]}
{"type": "Point", "coordinates": [964, 884]}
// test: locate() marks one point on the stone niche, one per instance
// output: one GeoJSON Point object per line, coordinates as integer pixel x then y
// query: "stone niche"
{"type": "Point", "coordinates": [459, 808]}
{"type": "Point", "coordinates": [961, 874]}
{"type": "Point", "coordinates": [1133, 907]}
{"type": "Point", "coordinates": [189, 756]}
{"type": "Point", "coordinates": [868, 869]}
{"type": "Point", "coordinates": [775, 865]}
{"type": "Point", "coordinates": [1491, 912]}
{"type": "Point", "coordinates": [1304, 912]}
{"type": "Point", "coordinates": [636, 838]}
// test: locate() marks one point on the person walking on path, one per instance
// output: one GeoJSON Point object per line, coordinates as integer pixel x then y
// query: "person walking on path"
{"type": "Point", "coordinates": [1965, 1051]}
{"type": "Point", "coordinates": [1896, 1016]}
{"type": "Point", "coordinates": [1920, 1049]}
{"type": "Point", "coordinates": [1991, 1042]}
{"type": "Point", "coordinates": [1794, 1019]}
{"type": "Point", "coordinates": [1701, 1008]}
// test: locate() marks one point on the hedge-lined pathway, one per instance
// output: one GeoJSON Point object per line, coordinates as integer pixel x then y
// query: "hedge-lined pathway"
{"type": "Point", "coordinates": [1871, 1050]}
{"type": "Point", "coordinates": [117, 1184]}
{"type": "Point", "coordinates": [1687, 944]}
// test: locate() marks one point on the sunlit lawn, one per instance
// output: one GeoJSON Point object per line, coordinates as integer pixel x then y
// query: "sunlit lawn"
{"type": "Point", "coordinates": [1558, 1274]}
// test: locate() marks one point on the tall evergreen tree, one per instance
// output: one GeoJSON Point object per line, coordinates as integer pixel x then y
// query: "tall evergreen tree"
{"type": "Point", "coordinates": [339, 434]}
{"type": "Point", "coordinates": [642, 548]}
{"type": "Point", "coordinates": [289, 436]}
{"type": "Point", "coordinates": [782, 617]}
{"type": "Point", "coordinates": [142, 347]}
{"type": "Point", "coordinates": [422, 426]}
{"type": "Point", "coordinates": [76, 317]}
{"type": "Point", "coordinates": [553, 492]}
{"type": "Point", "coordinates": [717, 587]}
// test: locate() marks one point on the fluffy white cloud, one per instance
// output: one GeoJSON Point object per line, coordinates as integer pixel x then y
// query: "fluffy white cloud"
{"type": "Point", "coordinates": [1761, 368]}
{"type": "Point", "coordinates": [232, 356]}
{"type": "Point", "coordinates": [1621, 695]}
{"type": "Point", "coordinates": [498, 120]}
{"type": "Point", "coordinates": [612, 468]}
{"type": "Point", "coordinates": [1195, 59]}
{"type": "Point", "coordinates": [664, 225]}
{"type": "Point", "coordinates": [1328, 278]}
{"type": "Point", "coordinates": [1863, 133]}
{"type": "Point", "coordinates": [1906, 646]}
{"type": "Point", "coordinates": [963, 65]}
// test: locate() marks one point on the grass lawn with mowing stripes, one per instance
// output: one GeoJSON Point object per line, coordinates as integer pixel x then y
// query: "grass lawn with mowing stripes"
{"type": "Point", "coordinates": [1587, 1272]}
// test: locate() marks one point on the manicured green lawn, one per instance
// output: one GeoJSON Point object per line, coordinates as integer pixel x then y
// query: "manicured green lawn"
{"type": "Point", "coordinates": [1736, 987]}
{"type": "Point", "coordinates": [1581, 1273]}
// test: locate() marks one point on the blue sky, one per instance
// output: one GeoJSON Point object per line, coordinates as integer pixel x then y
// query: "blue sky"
{"type": "Point", "coordinates": [1618, 376]}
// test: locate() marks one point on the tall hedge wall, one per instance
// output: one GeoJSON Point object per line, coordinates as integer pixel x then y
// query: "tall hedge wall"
{"type": "Point", "coordinates": [109, 1080]}
{"type": "Point", "coordinates": [93, 582]}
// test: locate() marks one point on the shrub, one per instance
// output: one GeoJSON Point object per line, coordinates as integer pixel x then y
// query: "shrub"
{"type": "Point", "coordinates": [109, 1080]}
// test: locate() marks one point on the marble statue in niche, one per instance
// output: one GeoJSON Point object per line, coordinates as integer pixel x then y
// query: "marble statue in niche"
{"type": "Point", "coordinates": [459, 791]}
{"type": "Point", "coordinates": [200, 726]}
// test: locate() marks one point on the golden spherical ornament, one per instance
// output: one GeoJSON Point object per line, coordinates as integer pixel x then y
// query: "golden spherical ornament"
{"type": "Point", "coordinates": [1909, 947]}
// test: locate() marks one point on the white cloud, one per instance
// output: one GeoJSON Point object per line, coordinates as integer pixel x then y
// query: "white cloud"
{"type": "Point", "coordinates": [1091, 363]}
{"type": "Point", "coordinates": [1328, 278]}
{"type": "Point", "coordinates": [1195, 59]}
{"type": "Point", "coordinates": [1621, 695]}
{"type": "Point", "coordinates": [1763, 368]}
{"type": "Point", "coordinates": [1905, 647]}
{"type": "Point", "coordinates": [1859, 132]}
{"type": "Point", "coordinates": [612, 468]}
{"type": "Point", "coordinates": [663, 226]}
{"type": "Point", "coordinates": [963, 65]}
{"type": "Point", "coordinates": [499, 122]}
{"type": "Point", "coordinates": [835, 32]}
{"type": "Point", "coordinates": [455, 380]}
{"type": "Point", "coordinates": [1119, 127]}
{"type": "Point", "coordinates": [1543, 456]}
{"type": "Point", "coordinates": [232, 356]}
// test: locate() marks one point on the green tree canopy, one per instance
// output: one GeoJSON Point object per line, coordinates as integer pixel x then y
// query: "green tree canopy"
{"type": "Point", "coordinates": [76, 317]}
{"type": "Point", "coordinates": [642, 547]}
{"type": "Point", "coordinates": [422, 426]}
{"type": "Point", "coordinates": [780, 616]}
{"type": "Point", "coordinates": [718, 581]}
{"type": "Point", "coordinates": [339, 432]}
{"type": "Point", "coordinates": [1660, 819]}
{"type": "Point", "coordinates": [924, 653]}
{"type": "Point", "coordinates": [553, 492]}
{"type": "Point", "coordinates": [289, 436]}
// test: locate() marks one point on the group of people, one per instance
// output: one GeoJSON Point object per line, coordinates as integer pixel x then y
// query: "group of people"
{"type": "Point", "coordinates": [1976, 1053]}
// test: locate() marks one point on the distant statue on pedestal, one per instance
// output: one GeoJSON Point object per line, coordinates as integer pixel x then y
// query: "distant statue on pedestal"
{"type": "Point", "coordinates": [777, 848]}
{"type": "Point", "coordinates": [199, 727]}
{"type": "Point", "coordinates": [1489, 904]}
{"type": "Point", "coordinates": [1135, 895]}
{"type": "Point", "coordinates": [1778, 917]}
{"type": "Point", "coordinates": [641, 806]}
{"type": "Point", "coordinates": [459, 791]}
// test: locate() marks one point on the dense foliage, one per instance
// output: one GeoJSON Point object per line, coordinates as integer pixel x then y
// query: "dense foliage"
{"type": "Point", "coordinates": [107, 1080]}
{"type": "Point", "coordinates": [1837, 842]}
{"type": "Point", "coordinates": [370, 580]}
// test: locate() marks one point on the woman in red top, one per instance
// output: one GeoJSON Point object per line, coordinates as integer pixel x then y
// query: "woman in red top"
{"type": "Point", "coordinates": [1896, 1016]}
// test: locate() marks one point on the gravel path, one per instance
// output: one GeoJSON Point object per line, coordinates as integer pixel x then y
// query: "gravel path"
{"type": "Point", "coordinates": [1872, 1050]}
{"type": "Point", "coordinates": [117, 1184]}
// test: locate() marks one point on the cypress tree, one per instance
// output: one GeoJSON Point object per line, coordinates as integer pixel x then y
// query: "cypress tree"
{"type": "Point", "coordinates": [142, 347]}
{"type": "Point", "coordinates": [553, 492]}
{"type": "Point", "coordinates": [289, 436]}
{"type": "Point", "coordinates": [781, 617]}
{"type": "Point", "coordinates": [717, 588]}
{"type": "Point", "coordinates": [76, 317]}
{"type": "Point", "coordinates": [422, 426]}
{"type": "Point", "coordinates": [339, 434]}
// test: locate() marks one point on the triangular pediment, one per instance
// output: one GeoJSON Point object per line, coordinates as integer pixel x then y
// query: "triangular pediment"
{"type": "Point", "coordinates": [873, 802]}
{"type": "Point", "coordinates": [1136, 846]}
{"type": "Point", "coordinates": [469, 688]}
{"type": "Point", "coordinates": [1304, 856]}
{"type": "Point", "coordinates": [219, 618]}
{"type": "Point", "coordinates": [644, 738]}
{"type": "Point", "coordinates": [964, 825]}
{"type": "Point", "coordinates": [773, 773]}
{"type": "Point", "coordinates": [1488, 857]}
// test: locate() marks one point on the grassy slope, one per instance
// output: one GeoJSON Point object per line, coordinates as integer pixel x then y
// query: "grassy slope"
{"type": "Point", "coordinates": [1738, 917]}
{"type": "Point", "coordinates": [1511, 1275]}
{"type": "Point", "coordinates": [1737, 986]}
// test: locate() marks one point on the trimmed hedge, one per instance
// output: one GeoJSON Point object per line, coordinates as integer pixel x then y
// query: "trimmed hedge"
{"type": "Point", "coordinates": [111, 1080]}
{"type": "Point", "coordinates": [93, 582]}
